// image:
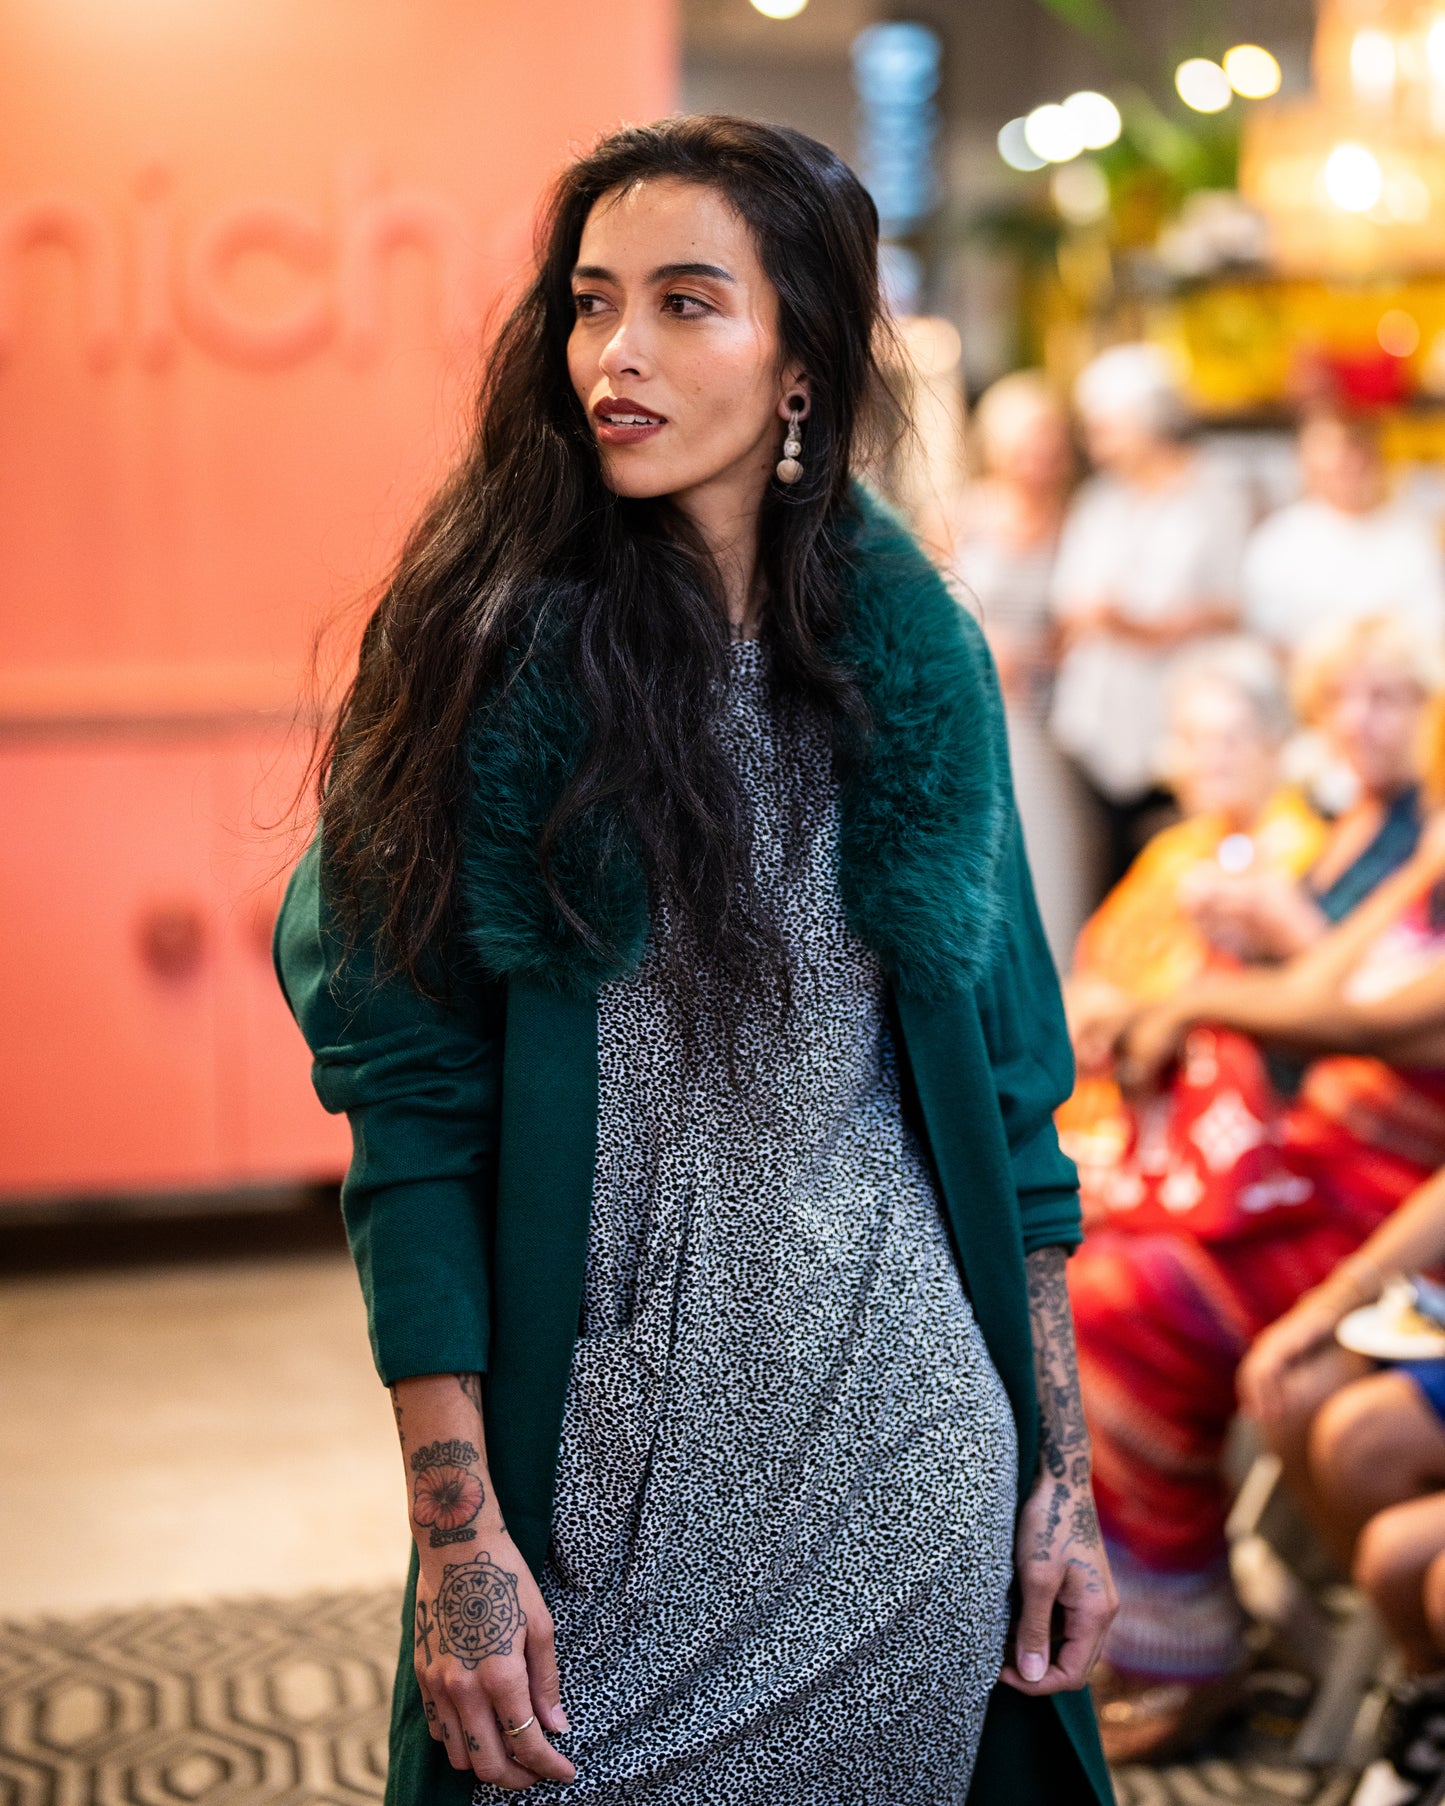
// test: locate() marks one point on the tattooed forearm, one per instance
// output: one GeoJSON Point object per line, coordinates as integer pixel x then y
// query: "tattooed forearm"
{"type": "Point", "coordinates": [448, 1493]}
{"type": "Point", "coordinates": [1064, 1438]}
{"type": "Point", "coordinates": [477, 1613]}
{"type": "Point", "coordinates": [471, 1385]}
{"type": "Point", "coordinates": [1060, 1523]}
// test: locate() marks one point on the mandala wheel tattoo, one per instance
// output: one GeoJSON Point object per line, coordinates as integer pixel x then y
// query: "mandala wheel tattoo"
{"type": "Point", "coordinates": [477, 1612]}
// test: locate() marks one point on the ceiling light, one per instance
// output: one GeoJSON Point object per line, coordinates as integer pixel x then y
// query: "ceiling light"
{"type": "Point", "coordinates": [779, 9]}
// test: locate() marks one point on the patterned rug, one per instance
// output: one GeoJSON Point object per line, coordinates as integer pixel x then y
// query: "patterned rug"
{"type": "Point", "coordinates": [271, 1702]}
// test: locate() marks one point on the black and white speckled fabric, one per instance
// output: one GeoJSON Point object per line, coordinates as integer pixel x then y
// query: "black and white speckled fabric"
{"type": "Point", "coordinates": [782, 1542]}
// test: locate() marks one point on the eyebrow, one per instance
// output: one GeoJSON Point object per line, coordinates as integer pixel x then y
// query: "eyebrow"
{"type": "Point", "coordinates": [594, 272]}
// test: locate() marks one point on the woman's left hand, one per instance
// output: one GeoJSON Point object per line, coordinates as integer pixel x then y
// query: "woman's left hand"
{"type": "Point", "coordinates": [1064, 1572]}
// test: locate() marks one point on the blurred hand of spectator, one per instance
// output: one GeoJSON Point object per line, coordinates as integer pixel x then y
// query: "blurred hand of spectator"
{"type": "Point", "coordinates": [1256, 916]}
{"type": "Point", "coordinates": [1302, 1332]}
{"type": "Point", "coordinates": [1149, 1045]}
{"type": "Point", "coordinates": [1098, 1013]}
{"type": "Point", "coordinates": [1101, 620]}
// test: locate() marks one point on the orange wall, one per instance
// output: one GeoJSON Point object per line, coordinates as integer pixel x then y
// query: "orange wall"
{"type": "Point", "coordinates": [247, 248]}
{"type": "Point", "coordinates": [244, 249]}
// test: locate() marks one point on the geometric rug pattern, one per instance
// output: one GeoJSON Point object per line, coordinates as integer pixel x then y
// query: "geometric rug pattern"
{"type": "Point", "coordinates": [267, 1702]}
{"type": "Point", "coordinates": [284, 1702]}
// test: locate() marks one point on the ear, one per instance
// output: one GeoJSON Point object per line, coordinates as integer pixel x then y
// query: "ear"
{"type": "Point", "coordinates": [796, 395]}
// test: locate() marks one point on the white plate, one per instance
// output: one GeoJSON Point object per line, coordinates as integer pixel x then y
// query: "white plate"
{"type": "Point", "coordinates": [1374, 1330]}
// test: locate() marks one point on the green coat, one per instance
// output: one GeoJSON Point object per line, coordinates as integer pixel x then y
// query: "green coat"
{"type": "Point", "coordinates": [474, 1122]}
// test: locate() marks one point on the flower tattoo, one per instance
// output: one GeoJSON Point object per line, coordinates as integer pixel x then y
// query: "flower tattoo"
{"type": "Point", "coordinates": [447, 1496]}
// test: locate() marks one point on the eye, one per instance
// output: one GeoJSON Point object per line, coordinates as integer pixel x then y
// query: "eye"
{"type": "Point", "coordinates": [675, 304]}
{"type": "Point", "coordinates": [583, 302]}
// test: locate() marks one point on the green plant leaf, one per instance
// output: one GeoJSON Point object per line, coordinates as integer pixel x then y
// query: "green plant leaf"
{"type": "Point", "coordinates": [1090, 18]}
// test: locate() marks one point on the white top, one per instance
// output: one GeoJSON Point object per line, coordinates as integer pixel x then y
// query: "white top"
{"type": "Point", "coordinates": [1153, 554]}
{"type": "Point", "coordinates": [1310, 567]}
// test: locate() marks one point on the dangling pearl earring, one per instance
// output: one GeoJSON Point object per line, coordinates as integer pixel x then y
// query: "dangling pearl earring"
{"type": "Point", "coordinates": [789, 467]}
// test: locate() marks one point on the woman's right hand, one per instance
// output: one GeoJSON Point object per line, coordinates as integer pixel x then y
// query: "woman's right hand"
{"type": "Point", "coordinates": [486, 1662]}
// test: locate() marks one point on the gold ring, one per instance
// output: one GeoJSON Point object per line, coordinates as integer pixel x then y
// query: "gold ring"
{"type": "Point", "coordinates": [523, 1727]}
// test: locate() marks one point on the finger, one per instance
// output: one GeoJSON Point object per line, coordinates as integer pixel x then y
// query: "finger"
{"type": "Point", "coordinates": [1039, 1589]}
{"type": "Point", "coordinates": [487, 1749]}
{"type": "Point", "coordinates": [429, 1706]}
{"type": "Point", "coordinates": [447, 1726]}
{"type": "Point", "coordinates": [542, 1676]}
{"type": "Point", "coordinates": [512, 1703]}
{"type": "Point", "coordinates": [1083, 1639]}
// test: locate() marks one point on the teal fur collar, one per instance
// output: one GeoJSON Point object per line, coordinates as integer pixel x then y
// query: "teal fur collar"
{"type": "Point", "coordinates": [923, 804]}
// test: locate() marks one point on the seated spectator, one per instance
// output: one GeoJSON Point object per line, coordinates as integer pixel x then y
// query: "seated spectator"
{"type": "Point", "coordinates": [1149, 560]}
{"type": "Point", "coordinates": [1343, 550]}
{"type": "Point", "coordinates": [1163, 924]}
{"type": "Point", "coordinates": [1005, 538]}
{"type": "Point", "coordinates": [1374, 1483]}
{"type": "Point", "coordinates": [1171, 1289]}
{"type": "Point", "coordinates": [1363, 690]}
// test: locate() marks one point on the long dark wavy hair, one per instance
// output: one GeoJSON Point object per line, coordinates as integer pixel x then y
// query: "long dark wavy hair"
{"type": "Point", "coordinates": [524, 538]}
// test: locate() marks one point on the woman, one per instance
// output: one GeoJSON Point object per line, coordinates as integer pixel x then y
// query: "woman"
{"type": "Point", "coordinates": [1363, 691]}
{"type": "Point", "coordinates": [1167, 920]}
{"type": "Point", "coordinates": [1004, 544]}
{"type": "Point", "coordinates": [1345, 548]}
{"type": "Point", "coordinates": [669, 943]}
{"type": "Point", "coordinates": [1165, 1316]}
{"type": "Point", "coordinates": [1149, 561]}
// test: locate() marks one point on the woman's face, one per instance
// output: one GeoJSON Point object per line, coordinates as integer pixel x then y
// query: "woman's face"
{"type": "Point", "coordinates": [674, 350]}
{"type": "Point", "coordinates": [1373, 716]}
{"type": "Point", "coordinates": [1031, 448]}
{"type": "Point", "coordinates": [1221, 759]}
{"type": "Point", "coordinates": [1340, 467]}
{"type": "Point", "coordinates": [1120, 442]}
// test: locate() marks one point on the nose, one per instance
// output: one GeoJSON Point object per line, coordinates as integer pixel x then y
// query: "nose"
{"type": "Point", "coordinates": [624, 354]}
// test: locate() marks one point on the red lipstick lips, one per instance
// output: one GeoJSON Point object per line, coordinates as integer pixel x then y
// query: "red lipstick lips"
{"type": "Point", "coordinates": [623, 421]}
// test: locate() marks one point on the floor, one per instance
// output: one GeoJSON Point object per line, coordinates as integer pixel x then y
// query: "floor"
{"type": "Point", "coordinates": [192, 1431]}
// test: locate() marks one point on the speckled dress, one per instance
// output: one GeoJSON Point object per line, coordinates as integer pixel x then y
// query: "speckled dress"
{"type": "Point", "coordinates": [782, 1541]}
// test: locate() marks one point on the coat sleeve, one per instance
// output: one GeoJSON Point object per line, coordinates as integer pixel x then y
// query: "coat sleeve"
{"type": "Point", "coordinates": [1022, 1014]}
{"type": "Point", "coordinates": [419, 1082]}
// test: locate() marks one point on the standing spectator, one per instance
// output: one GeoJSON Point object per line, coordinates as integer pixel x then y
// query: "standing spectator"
{"type": "Point", "coordinates": [1149, 560]}
{"type": "Point", "coordinates": [1006, 538]}
{"type": "Point", "coordinates": [1344, 550]}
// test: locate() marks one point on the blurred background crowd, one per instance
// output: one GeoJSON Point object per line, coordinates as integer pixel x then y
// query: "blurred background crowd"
{"type": "Point", "coordinates": [1170, 287]}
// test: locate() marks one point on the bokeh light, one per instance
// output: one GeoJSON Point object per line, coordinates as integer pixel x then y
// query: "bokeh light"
{"type": "Point", "coordinates": [1252, 71]}
{"type": "Point", "coordinates": [1203, 85]}
{"type": "Point", "coordinates": [1352, 178]}
{"type": "Point", "coordinates": [1373, 66]}
{"type": "Point", "coordinates": [1013, 146]}
{"type": "Point", "coordinates": [1398, 332]}
{"type": "Point", "coordinates": [1095, 118]}
{"type": "Point", "coordinates": [1080, 191]}
{"type": "Point", "coordinates": [779, 9]}
{"type": "Point", "coordinates": [1051, 133]}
